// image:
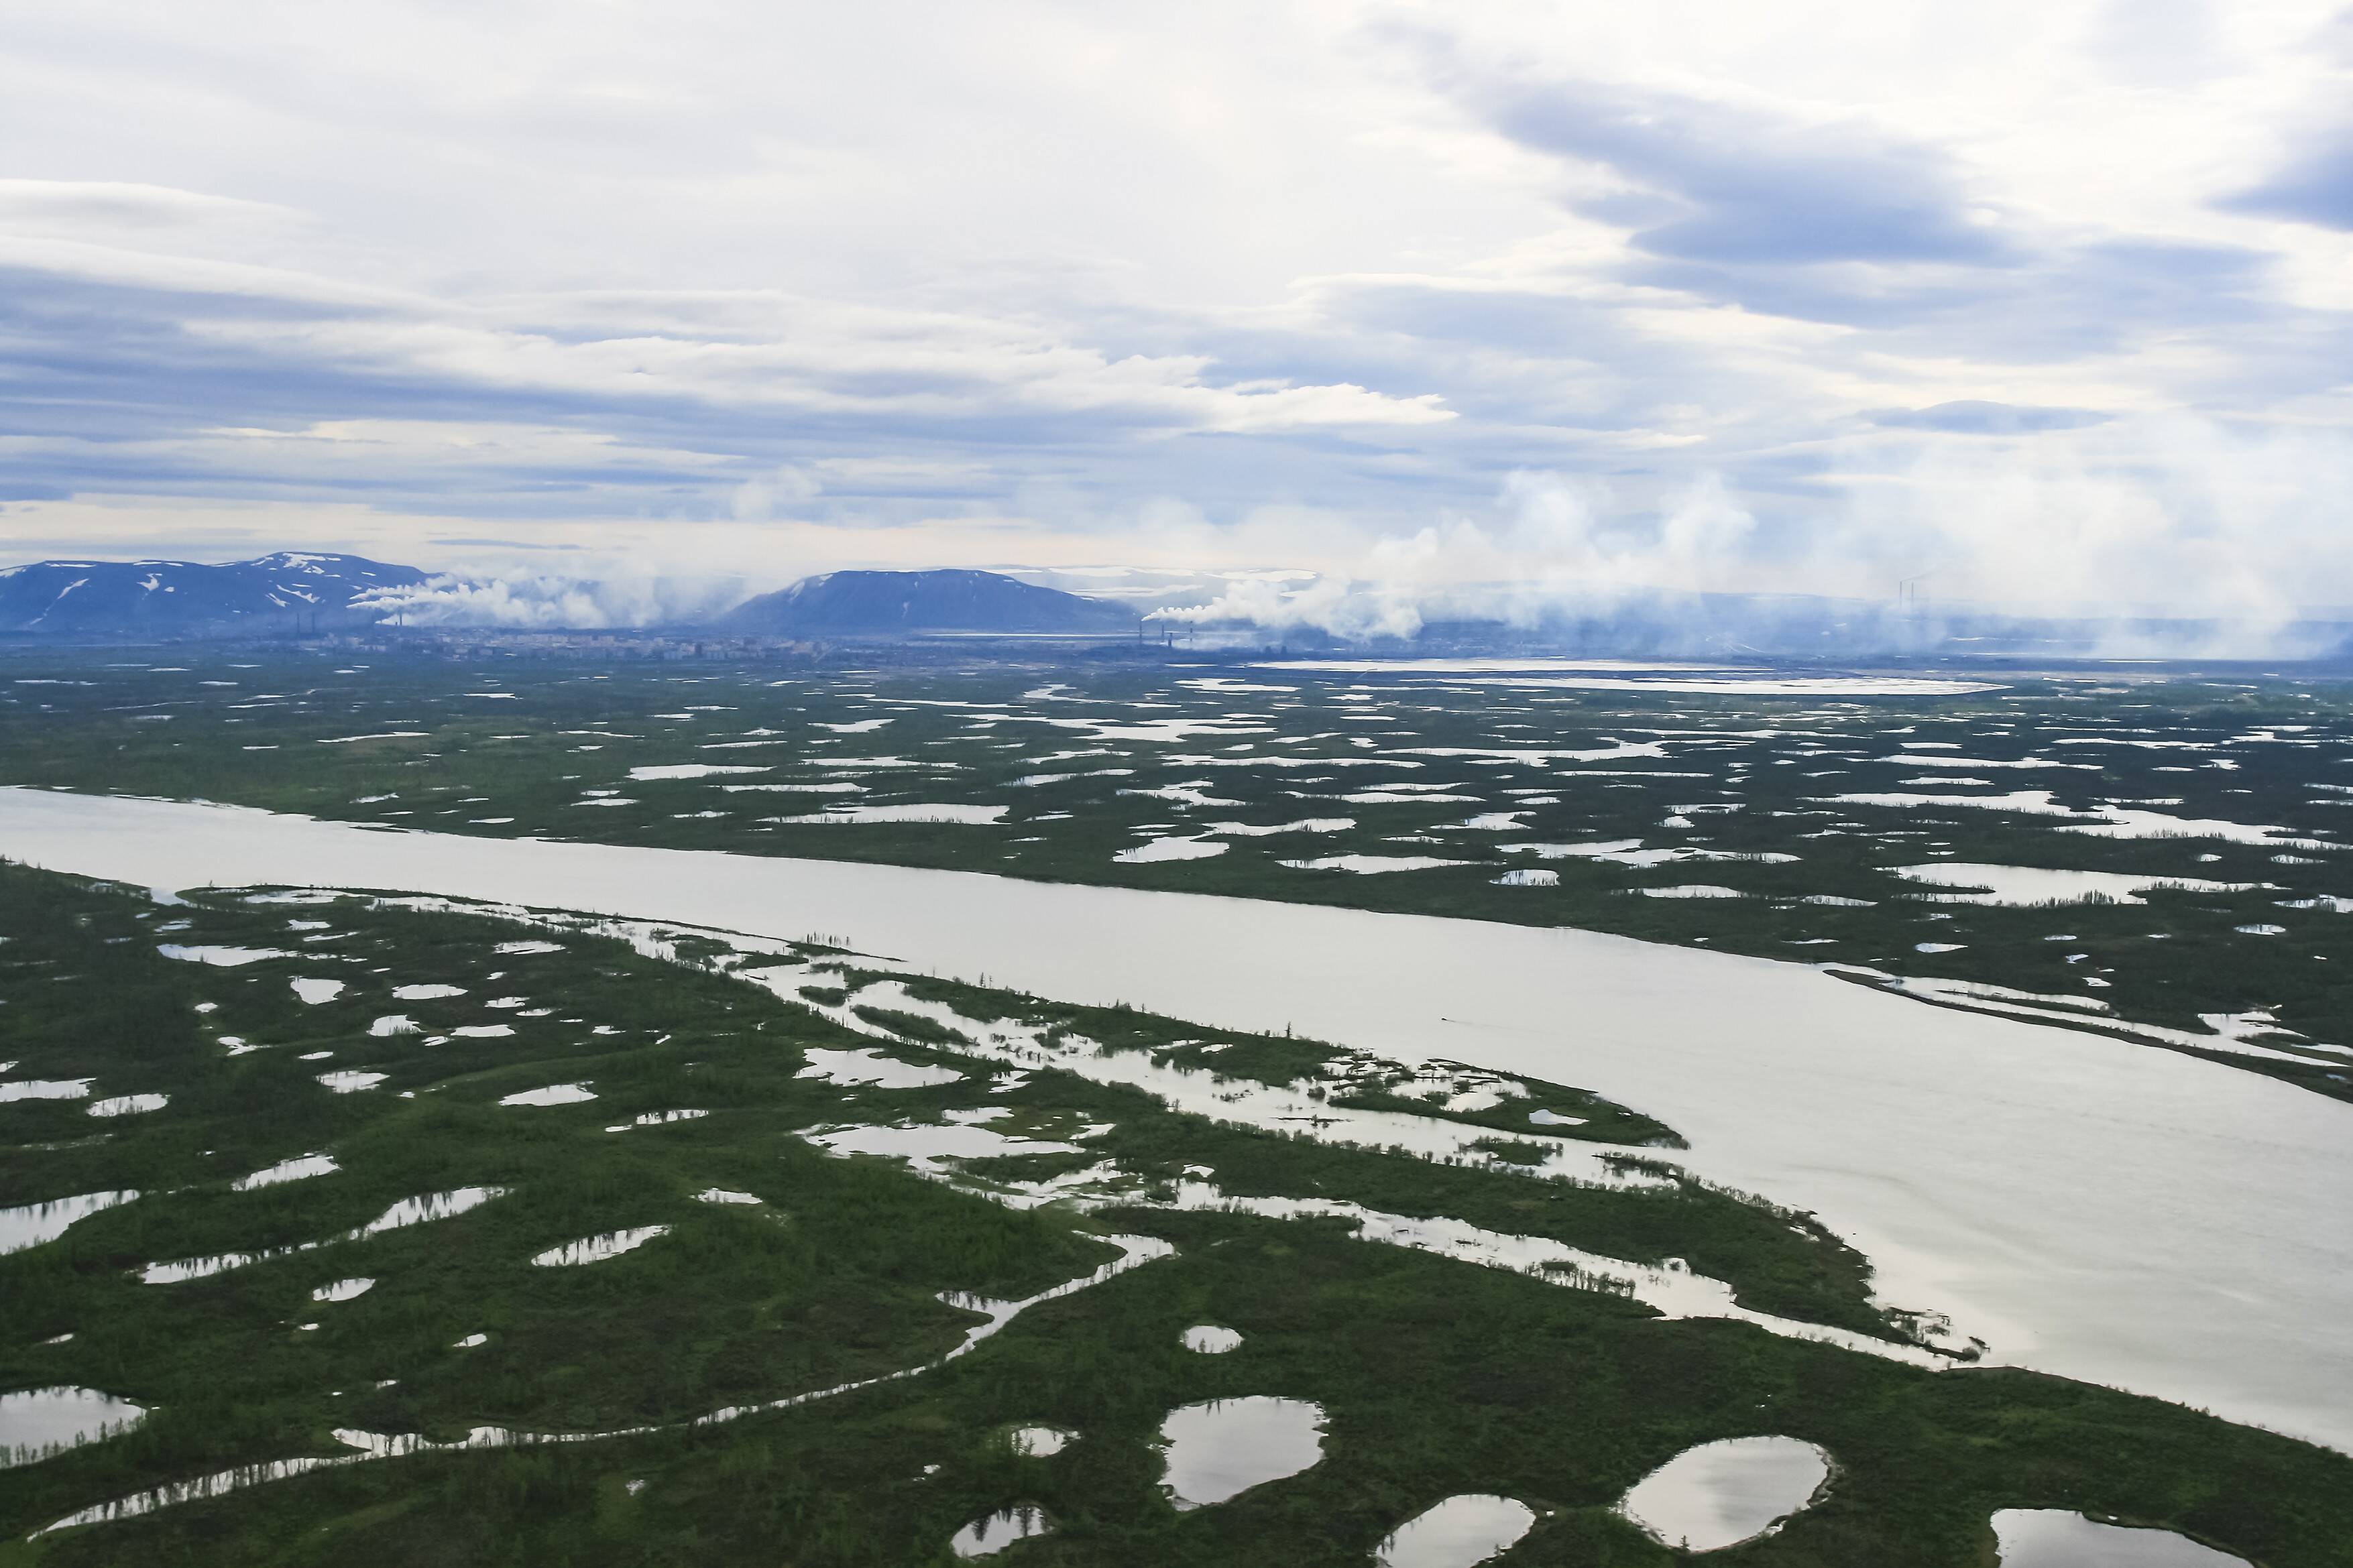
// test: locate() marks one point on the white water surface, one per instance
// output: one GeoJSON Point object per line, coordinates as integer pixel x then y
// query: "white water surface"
{"type": "Point", "coordinates": [2025, 886]}
{"type": "Point", "coordinates": [36, 1423]}
{"type": "Point", "coordinates": [689, 771]}
{"type": "Point", "coordinates": [1222, 1448]}
{"type": "Point", "coordinates": [1638, 675]}
{"type": "Point", "coordinates": [1039, 1442]}
{"type": "Point", "coordinates": [129, 1104]}
{"type": "Point", "coordinates": [551, 1094]}
{"type": "Point", "coordinates": [1373, 865]}
{"type": "Point", "coordinates": [399, 1216]}
{"type": "Point", "coordinates": [1153, 850]}
{"type": "Point", "coordinates": [598, 1249]}
{"type": "Point", "coordinates": [2054, 1538]}
{"type": "Point", "coordinates": [1781, 686]}
{"type": "Point", "coordinates": [1537, 664]}
{"type": "Point", "coordinates": [1460, 1532]}
{"type": "Point", "coordinates": [2089, 1207]}
{"type": "Point", "coordinates": [853, 816]}
{"type": "Point", "coordinates": [986, 1537]}
{"type": "Point", "coordinates": [301, 1167]}
{"type": "Point", "coordinates": [1720, 1494]}
{"type": "Point", "coordinates": [659, 1119]}
{"type": "Point", "coordinates": [430, 1206]}
{"type": "Point", "coordinates": [220, 957]}
{"type": "Point", "coordinates": [869, 1065]}
{"type": "Point", "coordinates": [29, 1224]}
{"type": "Point", "coordinates": [45, 1088]}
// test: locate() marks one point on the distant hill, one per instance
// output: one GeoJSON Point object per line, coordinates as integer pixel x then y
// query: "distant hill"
{"type": "Point", "coordinates": [905, 604]}
{"type": "Point", "coordinates": [286, 591]}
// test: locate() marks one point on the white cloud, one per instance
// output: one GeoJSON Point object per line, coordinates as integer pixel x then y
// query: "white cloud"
{"type": "Point", "coordinates": [1415, 298]}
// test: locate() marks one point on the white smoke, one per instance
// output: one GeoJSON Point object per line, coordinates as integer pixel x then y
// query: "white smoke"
{"type": "Point", "coordinates": [552, 602]}
{"type": "Point", "coordinates": [2168, 514]}
{"type": "Point", "coordinates": [1554, 549]}
{"type": "Point", "coordinates": [2229, 538]}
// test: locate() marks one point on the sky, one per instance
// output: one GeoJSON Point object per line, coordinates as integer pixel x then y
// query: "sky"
{"type": "Point", "coordinates": [2031, 304]}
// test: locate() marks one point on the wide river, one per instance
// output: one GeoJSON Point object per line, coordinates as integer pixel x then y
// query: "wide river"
{"type": "Point", "coordinates": [2106, 1211]}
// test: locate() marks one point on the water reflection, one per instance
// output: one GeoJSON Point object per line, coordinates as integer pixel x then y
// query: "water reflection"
{"type": "Point", "coordinates": [1222, 1448]}
{"type": "Point", "coordinates": [1039, 1442]}
{"type": "Point", "coordinates": [985, 1537]}
{"type": "Point", "coordinates": [2055, 1538]}
{"type": "Point", "coordinates": [598, 1249]}
{"type": "Point", "coordinates": [29, 1224]}
{"type": "Point", "coordinates": [1720, 1494]}
{"type": "Point", "coordinates": [36, 1423]}
{"type": "Point", "coordinates": [1460, 1532]}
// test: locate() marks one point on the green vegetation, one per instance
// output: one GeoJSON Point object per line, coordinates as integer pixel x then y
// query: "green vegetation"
{"type": "Point", "coordinates": [1800, 805]}
{"type": "Point", "coordinates": [1438, 1377]}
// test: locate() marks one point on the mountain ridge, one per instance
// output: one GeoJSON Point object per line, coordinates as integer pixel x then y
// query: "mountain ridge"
{"type": "Point", "coordinates": [904, 603]}
{"type": "Point", "coordinates": [295, 589]}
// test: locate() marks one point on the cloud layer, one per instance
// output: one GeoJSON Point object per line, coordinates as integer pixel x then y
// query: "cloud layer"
{"type": "Point", "coordinates": [2034, 303]}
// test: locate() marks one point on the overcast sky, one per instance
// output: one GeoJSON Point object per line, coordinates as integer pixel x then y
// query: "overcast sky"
{"type": "Point", "coordinates": [2043, 300]}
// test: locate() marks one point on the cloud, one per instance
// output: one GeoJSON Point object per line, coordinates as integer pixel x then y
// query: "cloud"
{"type": "Point", "coordinates": [2238, 535]}
{"type": "Point", "coordinates": [2167, 513]}
{"type": "Point", "coordinates": [1973, 416]}
{"type": "Point", "coordinates": [136, 373]}
{"type": "Point", "coordinates": [1553, 545]}
{"type": "Point", "coordinates": [1300, 288]}
{"type": "Point", "coordinates": [1789, 208]}
{"type": "Point", "coordinates": [758, 499]}
{"type": "Point", "coordinates": [2060, 301]}
{"type": "Point", "coordinates": [2315, 186]}
{"type": "Point", "coordinates": [2159, 42]}
{"type": "Point", "coordinates": [1712, 181]}
{"type": "Point", "coordinates": [76, 208]}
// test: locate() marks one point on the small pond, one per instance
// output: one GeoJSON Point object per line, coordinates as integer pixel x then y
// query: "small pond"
{"type": "Point", "coordinates": [2055, 1538]}
{"type": "Point", "coordinates": [1460, 1532]}
{"type": "Point", "coordinates": [37, 1421]}
{"type": "Point", "coordinates": [1720, 1494]}
{"type": "Point", "coordinates": [986, 1537]}
{"type": "Point", "coordinates": [1222, 1448]}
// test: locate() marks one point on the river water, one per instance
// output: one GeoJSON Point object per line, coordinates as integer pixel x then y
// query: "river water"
{"type": "Point", "coordinates": [2088, 1206]}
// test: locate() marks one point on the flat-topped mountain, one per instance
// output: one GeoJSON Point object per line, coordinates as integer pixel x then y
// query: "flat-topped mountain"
{"type": "Point", "coordinates": [287, 590]}
{"type": "Point", "coordinates": [900, 603]}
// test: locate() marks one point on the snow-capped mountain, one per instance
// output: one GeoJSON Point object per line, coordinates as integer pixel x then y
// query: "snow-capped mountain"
{"type": "Point", "coordinates": [286, 591]}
